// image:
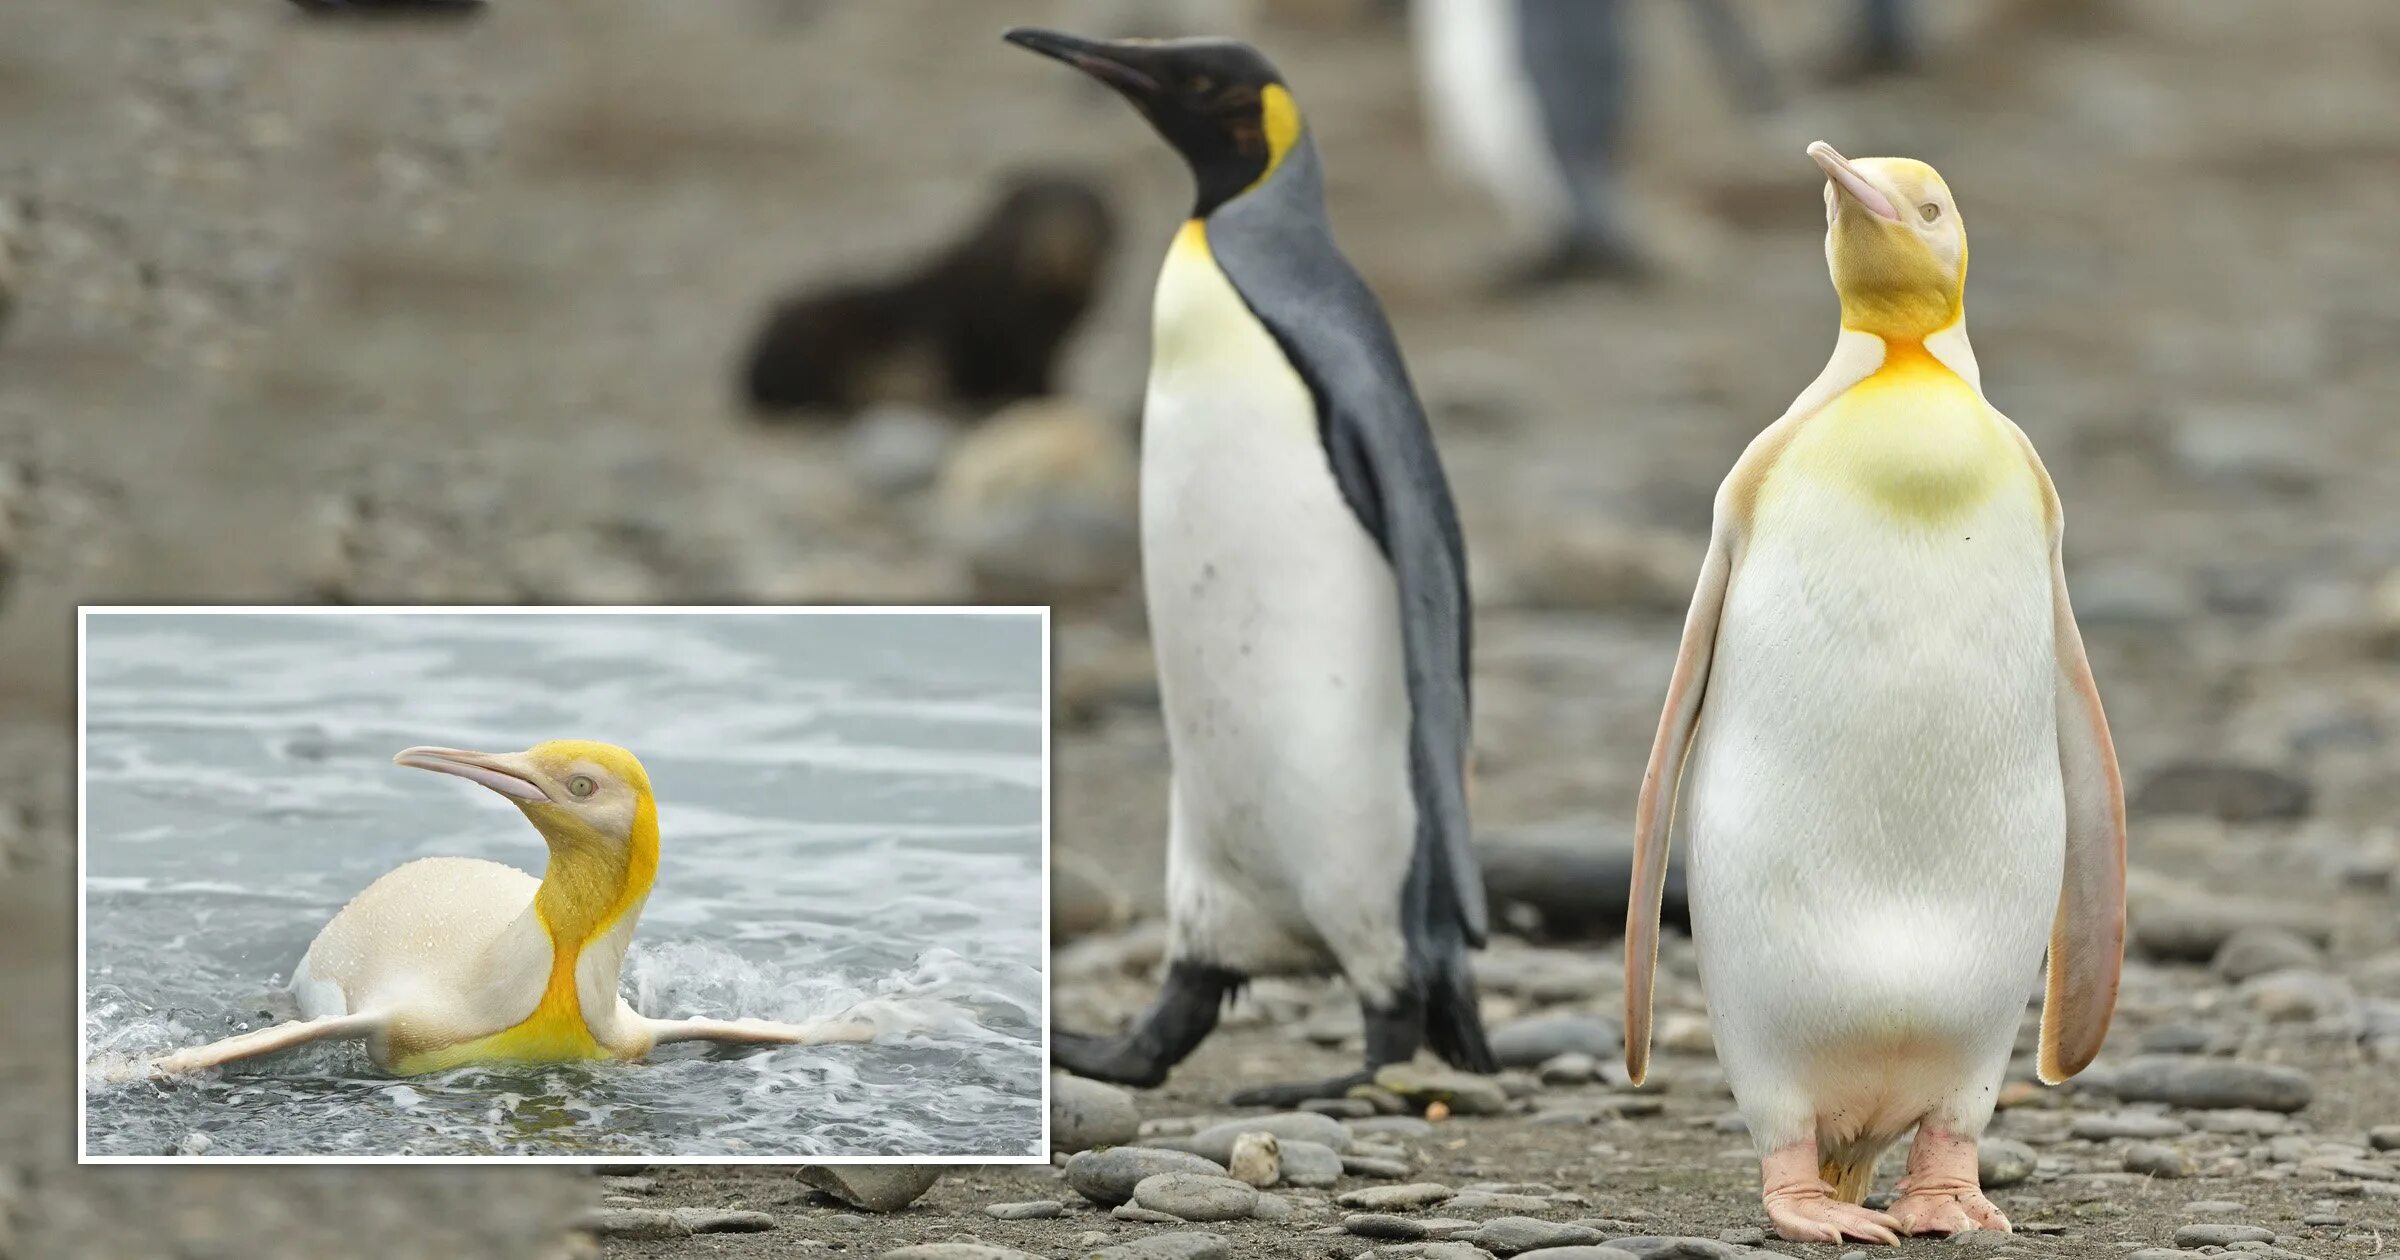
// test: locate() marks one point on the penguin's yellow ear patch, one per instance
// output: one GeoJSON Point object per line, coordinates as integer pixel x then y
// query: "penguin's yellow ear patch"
{"type": "Point", "coordinates": [1280, 115]}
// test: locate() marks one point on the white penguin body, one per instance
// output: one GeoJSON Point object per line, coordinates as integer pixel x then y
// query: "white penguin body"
{"type": "Point", "coordinates": [1873, 805]}
{"type": "Point", "coordinates": [1486, 121]}
{"type": "Point", "coordinates": [1275, 621]}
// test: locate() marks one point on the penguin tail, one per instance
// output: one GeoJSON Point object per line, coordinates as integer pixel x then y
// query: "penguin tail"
{"type": "Point", "coordinates": [1850, 1169]}
{"type": "Point", "coordinates": [1453, 1021]}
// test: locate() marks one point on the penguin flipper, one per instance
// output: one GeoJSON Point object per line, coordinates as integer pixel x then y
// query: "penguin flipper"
{"type": "Point", "coordinates": [283, 1036]}
{"type": "Point", "coordinates": [1654, 816]}
{"type": "Point", "coordinates": [2087, 939]}
{"type": "Point", "coordinates": [760, 1032]}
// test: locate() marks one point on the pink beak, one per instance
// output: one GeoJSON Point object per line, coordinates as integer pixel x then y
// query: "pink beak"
{"type": "Point", "coordinates": [1838, 169]}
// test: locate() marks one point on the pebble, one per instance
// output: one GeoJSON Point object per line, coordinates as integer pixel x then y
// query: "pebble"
{"type": "Point", "coordinates": [1340, 1108]}
{"type": "Point", "coordinates": [635, 1224]}
{"type": "Point", "coordinates": [895, 448]}
{"type": "Point", "coordinates": [2296, 996]}
{"type": "Point", "coordinates": [1384, 1225]}
{"type": "Point", "coordinates": [1392, 1126]}
{"type": "Point", "coordinates": [2384, 1137]}
{"type": "Point", "coordinates": [1287, 1126]}
{"type": "Point", "coordinates": [1464, 1093]}
{"type": "Point", "coordinates": [1196, 1197]}
{"type": "Point", "coordinates": [1108, 1177]}
{"type": "Point", "coordinates": [2224, 790]}
{"type": "Point", "coordinates": [2211, 1083]}
{"type": "Point", "coordinates": [1489, 1201]}
{"type": "Point", "coordinates": [1272, 1207]}
{"type": "Point", "coordinates": [1038, 501]}
{"type": "Point", "coordinates": [1186, 1245]}
{"type": "Point", "coordinates": [1255, 1160]}
{"type": "Point", "coordinates": [2002, 1163]}
{"type": "Point", "coordinates": [875, 1187]}
{"type": "Point", "coordinates": [1508, 1235]}
{"type": "Point", "coordinates": [1396, 1198]}
{"type": "Point", "coordinates": [1085, 1114]}
{"type": "Point", "coordinates": [1143, 1215]}
{"type": "Point", "coordinates": [956, 1251]}
{"type": "Point", "coordinates": [1447, 1250]}
{"type": "Point", "coordinates": [2194, 929]}
{"type": "Point", "coordinates": [1660, 1247]}
{"type": "Point", "coordinates": [2212, 1207]}
{"type": "Point", "coordinates": [1037, 1210]}
{"type": "Point", "coordinates": [2157, 1159]}
{"type": "Point", "coordinates": [2126, 1124]}
{"type": "Point", "coordinates": [2256, 951]}
{"type": "Point", "coordinates": [1571, 1068]}
{"type": "Point", "coordinates": [2241, 1120]}
{"type": "Point", "coordinates": [2213, 1234]}
{"type": "Point", "coordinates": [1536, 1040]}
{"type": "Point", "coordinates": [1375, 1166]}
{"type": "Point", "coordinates": [1579, 1253]}
{"type": "Point", "coordinates": [2164, 1253]}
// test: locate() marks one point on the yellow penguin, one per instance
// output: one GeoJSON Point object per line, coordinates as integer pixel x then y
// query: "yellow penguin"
{"type": "Point", "coordinates": [1885, 751]}
{"type": "Point", "coordinates": [448, 961]}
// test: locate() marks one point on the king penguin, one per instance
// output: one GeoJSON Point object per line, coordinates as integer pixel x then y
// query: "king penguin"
{"type": "Point", "coordinates": [1307, 593]}
{"type": "Point", "coordinates": [448, 961]}
{"type": "Point", "coordinates": [1884, 749]}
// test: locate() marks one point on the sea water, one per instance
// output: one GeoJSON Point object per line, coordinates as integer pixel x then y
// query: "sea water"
{"type": "Point", "coordinates": [850, 809]}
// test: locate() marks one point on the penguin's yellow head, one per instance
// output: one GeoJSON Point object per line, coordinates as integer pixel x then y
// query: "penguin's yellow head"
{"type": "Point", "coordinates": [1220, 102]}
{"type": "Point", "coordinates": [1895, 244]}
{"type": "Point", "coordinates": [591, 802]}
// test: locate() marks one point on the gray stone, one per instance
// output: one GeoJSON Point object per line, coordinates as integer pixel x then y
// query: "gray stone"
{"type": "Point", "coordinates": [634, 1224]}
{"type": "Point", "coordinates": [875, 1187]}
{"type": "Point", "coordinates": [2204, 1084]}
{"type": "Point", "coordinates": [1272, 1207]}
{"type": "Point", "coordinates": [1108, 1177]}
{"type": "Point", "coordinates": [1287, 1126]}
{"type": "Point", "coordinates": [1508, 1235]}
{"type": "Point", "coordinates": [1038, 501]}
{"type": "Point", "coordinates": [1310, 1165]}
{"type": "Point", "coordinates": [1196, 1197]}
{"type": "Point", "coordinates": [2126, 1124]}
{"type": "Point", "coordinates": [1491, 1201]}
{"type": "Point", "coordinates": [1449, 1249]}
{"type": "Point", "coordinates": [1385, 1225]}
{"type": "Point", "coordinates": [1396, 1198]}
{"type": "Point", "coordinates": [2234, 793]}
{"type": "Point", "coordinates": [2165, 1253]}
{"type": "Point", "coordinates": [1578, 1253]}
{"type": "Point", "coordinates": [1463, 1093]}
{"type": "Point", "coordinates": [2215, 1234]}
{"type": "Point", "coordinates": [1188, 1245]}
{"type": "Point", "coordinates": [2384, 1137]}
{"type": "Point", "coordinates": [956, 1251]}
{"type": "Point", "coordinates": [1340, 1108]}
{"type": "Point", "coordinates": [2256, 951]}
{"type": "Point", "coordinates": [1144, 1216]}
{"type": "Point", "coordinates": [1036, 1210]}
{"type": "Point", "coordinates": [1663, 1247]}
{"type": "Point", "coordinates": [1749, 1236]}
{"type": "Point", "coordinates": [2297, 996]}
{"type": "Point", "coordinates": [1085, 1114]}
{"type": "Point", "coordinates": [1375, 1166]}
{"type": "Point", "coordinates": [2157, 1159]}
{"type": "Point", "coordinates": [2193, 929]}
{"type": "Point", "coordinates": [1538, 1039]}
{"type": "Point", "coordinates": [2241, 1120]}
{"type": "Point", "coordinates": [1392, 1126]}
{"type": "Point", "coordinates": [2002, 1163]}
{"type": "Point", "coordinates": [894, 449]}
{"type": "Point", "coordinates": [1571, 1068]}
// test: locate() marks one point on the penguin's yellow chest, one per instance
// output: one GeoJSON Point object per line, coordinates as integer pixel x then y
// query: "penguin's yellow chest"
{"type": "Point", "coordinates": [1913, 440]}
{"type": "Point", "coordinates": [556, 1032]}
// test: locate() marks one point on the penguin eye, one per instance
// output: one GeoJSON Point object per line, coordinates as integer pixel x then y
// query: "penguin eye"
{"type": "Point", "coordinates": [581, 785]}
{"type": "Point", "coordinates": [1929, 211]}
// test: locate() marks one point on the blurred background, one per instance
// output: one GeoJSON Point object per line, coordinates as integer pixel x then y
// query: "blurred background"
{"type": "Point", "coordinates": [489, 311]}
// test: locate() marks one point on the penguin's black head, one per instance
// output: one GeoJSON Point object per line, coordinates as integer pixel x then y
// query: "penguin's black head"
{"type": "Point", "coordinates": [1218, 101]}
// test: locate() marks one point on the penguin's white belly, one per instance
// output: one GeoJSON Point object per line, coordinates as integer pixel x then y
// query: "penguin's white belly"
{"type": "Point", "coordinates": [1874, 810]}
{"type": "Point", "coordinates": [418, 939]}
{"type": "Point", "coordinates": [1276, 624]}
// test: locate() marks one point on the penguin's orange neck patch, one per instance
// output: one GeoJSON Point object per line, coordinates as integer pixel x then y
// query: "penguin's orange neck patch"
{"type": "Point", "coordinates": [1912, 437]}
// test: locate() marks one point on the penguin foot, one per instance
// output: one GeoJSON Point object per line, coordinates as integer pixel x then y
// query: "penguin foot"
{"type": "Point", "coordinates": [1943, 1191]}
{"type": "Point", "coordinates": [1802, 1207]}
{"type": "Point", "coordinates": [1183, 1015]}
{"type": "Point", "coordinates": [1112, 1059]}
{"type": "Point", "coordinates": [1298, 1092]}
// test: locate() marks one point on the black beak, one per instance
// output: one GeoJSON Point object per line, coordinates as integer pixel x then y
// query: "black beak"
{"type": "Point", "coordinates": [1116, 65]}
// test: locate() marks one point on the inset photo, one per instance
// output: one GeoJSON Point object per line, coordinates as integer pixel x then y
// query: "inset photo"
{"type": "Point", "coordinates": [564, 884]}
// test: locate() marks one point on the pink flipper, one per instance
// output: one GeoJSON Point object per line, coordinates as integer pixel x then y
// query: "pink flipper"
{"type": "Point", "coordinates": [1943, 1191]}
{"type": "Point", "coordinates": [1802, 1207]}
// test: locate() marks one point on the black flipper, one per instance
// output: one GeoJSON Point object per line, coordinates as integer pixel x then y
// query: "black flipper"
{"type": "Point", "coordinates": [1183, 1015]}
{"type": "Point", "coordinates": [1275, 247]}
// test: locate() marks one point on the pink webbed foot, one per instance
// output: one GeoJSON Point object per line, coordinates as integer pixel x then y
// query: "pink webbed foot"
{"type": "Point", "coordinates": [1943, 1191]}
{"type": "Point", "coordinates": [1802, 1207]}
